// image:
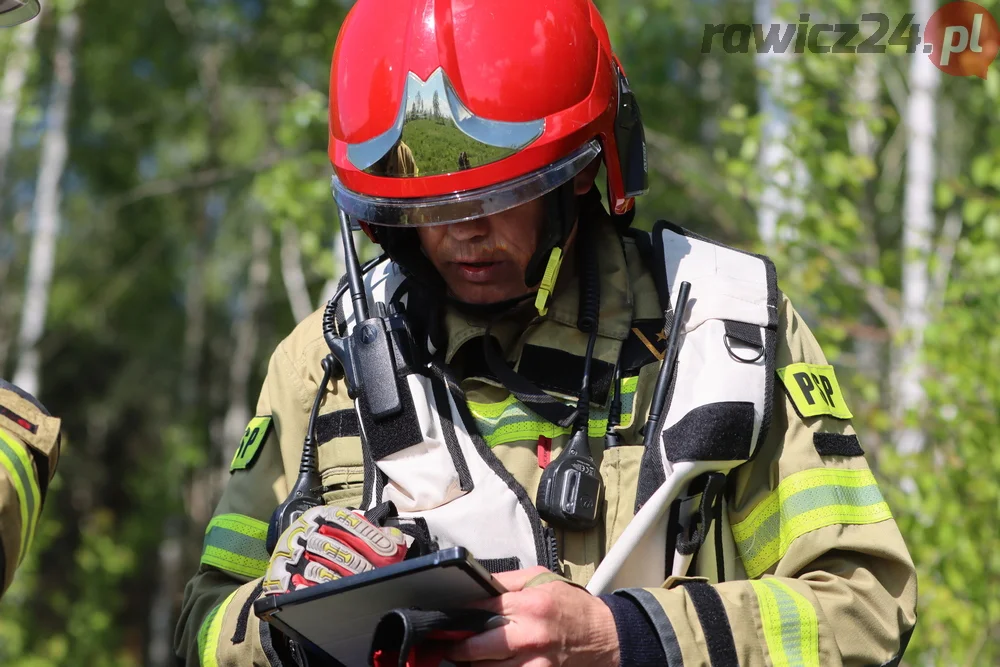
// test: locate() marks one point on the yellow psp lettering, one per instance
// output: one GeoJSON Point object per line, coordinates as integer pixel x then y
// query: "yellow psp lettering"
{"type": "Point", "coordinates": [814, 390]}
{"type": "Point", "coordinates": [253, 439]}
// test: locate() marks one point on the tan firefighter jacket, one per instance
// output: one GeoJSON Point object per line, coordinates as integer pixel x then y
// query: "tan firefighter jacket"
{"type": "Point", "coordinates": [813, 569]}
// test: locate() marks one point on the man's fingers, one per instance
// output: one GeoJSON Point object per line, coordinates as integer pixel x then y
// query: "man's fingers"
{"type": "Point", "coordinates": [516, 579]}
{"type": "Point", "coordinates": [378, 546]}
{"type": "Point", "coordinates": [489, 645]}
{"type": "Point", "coordinates": [314, 573]}
{"type": "Point", "coordinates": [335, 555]}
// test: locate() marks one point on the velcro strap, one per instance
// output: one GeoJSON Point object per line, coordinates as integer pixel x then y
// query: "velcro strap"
{"type": "Point", "coordinates": [498, 565]}
{"type": "Point", "coordinates": [714, 622]}
{"type": "Point", "coordinates": [837, 444]}
{"type": "Point", "coordinates": [400, 633]}
{"type": "Point", "coordinates": [744, 332]}
{"type": "Point", "coordinates": [337, 424]}
{"type": "Point", "coordinates": [393, 434]}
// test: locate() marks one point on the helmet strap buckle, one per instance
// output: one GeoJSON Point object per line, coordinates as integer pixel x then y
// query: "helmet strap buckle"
{"type": "Point", "coordinates": [548, 281]}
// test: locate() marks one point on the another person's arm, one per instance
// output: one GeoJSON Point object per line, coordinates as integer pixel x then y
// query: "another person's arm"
{"type": "Point", "coordinates": [29, 452]}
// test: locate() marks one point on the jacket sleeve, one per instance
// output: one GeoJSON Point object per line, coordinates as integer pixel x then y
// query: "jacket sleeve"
{"type": "Point", "coordinates": [217, 626]}
{"type": "Point", "coordinates": [829, 580]}
{"type": "Point", "coordinates": [29, 452]}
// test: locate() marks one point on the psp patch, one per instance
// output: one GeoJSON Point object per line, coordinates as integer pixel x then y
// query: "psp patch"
{"type": "Point", "coordinates": [814, 390]}
{"type": "Point", "coordinates": [251, 444]}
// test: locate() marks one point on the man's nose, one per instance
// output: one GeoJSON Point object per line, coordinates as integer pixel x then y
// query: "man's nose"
{"type": "Point", "coordinates": [470, 229]}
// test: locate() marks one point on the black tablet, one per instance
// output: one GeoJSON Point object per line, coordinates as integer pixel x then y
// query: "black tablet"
{"type": "Point", "coordinates": [339, 617]}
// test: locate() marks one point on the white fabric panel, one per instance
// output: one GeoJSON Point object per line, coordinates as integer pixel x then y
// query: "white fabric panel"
{"type": "Point", "coordinates": [707, 374]}
{"type": "Point", "coordinates": [381, 283]}
{"type": "Point", "coordinates": [725, 284]}
{"type": "Point", "coordinates": [422, 476]}
{"type": "Point", "coordinates": [488, 521]}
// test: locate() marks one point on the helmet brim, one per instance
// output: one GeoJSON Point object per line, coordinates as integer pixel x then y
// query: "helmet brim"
{"type": "Point", "coordinates": [462, 206]}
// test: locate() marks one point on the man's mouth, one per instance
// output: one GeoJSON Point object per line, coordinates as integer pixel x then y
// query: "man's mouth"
{"type": "Point", "coordinates": [477, 271]}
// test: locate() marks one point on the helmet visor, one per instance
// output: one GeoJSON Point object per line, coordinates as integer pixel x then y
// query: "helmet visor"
{"type": "Point", "coordinates": [15, 12]}
{"type": "Point", "coordinates": [468, 205]}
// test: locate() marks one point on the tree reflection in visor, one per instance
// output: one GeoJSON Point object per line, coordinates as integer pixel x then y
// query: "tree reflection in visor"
{"type": "Point", "coordinates": [435, 133]}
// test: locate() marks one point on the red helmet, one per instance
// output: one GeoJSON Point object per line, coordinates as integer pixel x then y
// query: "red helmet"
{"type": "Point", "coordinates": [448, 110]}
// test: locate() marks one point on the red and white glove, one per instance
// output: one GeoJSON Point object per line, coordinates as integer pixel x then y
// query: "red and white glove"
{"type": "Point", "coordinates": [327, 543]}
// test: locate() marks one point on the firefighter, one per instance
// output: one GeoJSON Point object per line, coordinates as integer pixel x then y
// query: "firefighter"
{"type": "Point", "coordinates": [519, 281]}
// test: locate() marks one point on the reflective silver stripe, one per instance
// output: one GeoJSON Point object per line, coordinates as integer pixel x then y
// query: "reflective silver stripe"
{"type": "Point", "coordinates": [235, 543]}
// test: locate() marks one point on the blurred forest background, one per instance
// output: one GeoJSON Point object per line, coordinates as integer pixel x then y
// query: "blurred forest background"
{"type": "Point", "coordinates": [165, 219]}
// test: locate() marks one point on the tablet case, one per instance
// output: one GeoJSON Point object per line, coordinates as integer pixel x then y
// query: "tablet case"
{"type": "Point", "coordinates": [339, 618]}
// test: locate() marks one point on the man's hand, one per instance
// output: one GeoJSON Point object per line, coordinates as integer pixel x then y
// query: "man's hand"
{"type": "Point", "coordinates": [551, 624]}
{"type": "Point", "coordinates": [328, 543]}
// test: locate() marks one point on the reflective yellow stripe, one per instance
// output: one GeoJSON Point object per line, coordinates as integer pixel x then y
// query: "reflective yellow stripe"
{"type": "Point", "coordinates": [235, 543]}
{"type": "Point", "coordinates": [510, 421]}
{"type": "Point", "coordinates": [17, 462]}
{"type": "Point", "coordinates": [804, 502]}
{"type": "Point", "coordinates": [791, 629]}
{"type": "Point", "coordinates": [211, 628]}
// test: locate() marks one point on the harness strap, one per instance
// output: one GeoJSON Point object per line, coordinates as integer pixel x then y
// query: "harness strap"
{"type": "Point", "coordinates": [534, 398]}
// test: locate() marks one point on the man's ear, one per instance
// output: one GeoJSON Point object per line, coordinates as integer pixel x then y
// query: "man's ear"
{"type": "Point", "coordinates": [583, 181]}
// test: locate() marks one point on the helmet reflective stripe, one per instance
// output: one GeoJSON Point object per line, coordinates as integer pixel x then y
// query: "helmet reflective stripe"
{"type": "Point", "coordinates": [439, 134]}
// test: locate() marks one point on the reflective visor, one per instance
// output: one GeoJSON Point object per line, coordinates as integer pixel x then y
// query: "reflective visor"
{"type": "Point", "coordinates": [435, 133]}
{"type": "Point", "coordinates": [467, 205]}
{"type": "Point", "coordinates": [15, 12]}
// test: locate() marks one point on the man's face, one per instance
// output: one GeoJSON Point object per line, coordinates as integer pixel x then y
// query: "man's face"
{"type": "Point", "coordinates": [484, 260]}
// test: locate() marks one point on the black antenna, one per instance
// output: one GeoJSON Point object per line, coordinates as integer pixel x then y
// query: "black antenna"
{"type": "Point", "coordinates": [666, 375]}
{"type": "Point", "coordinates": [611, 438]}
{"type": "Point", "coordinates": [353, 270]}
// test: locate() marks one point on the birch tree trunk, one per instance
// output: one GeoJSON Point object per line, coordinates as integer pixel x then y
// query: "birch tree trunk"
{"type": "Point", "coordinates": [918, 231]}
{"type": "Point", "coordinates": [782, 174]}
{"type": "Point", "coordinates": [246, 334]}
{"type": "Point", "coordinates": [15, 72]}
{"type": "Point", "coordinates": [871, 352]}
{"type": "Point", "coordinates": [292, 274]}
{"type": "Point", "coordinates": [47, 200]}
